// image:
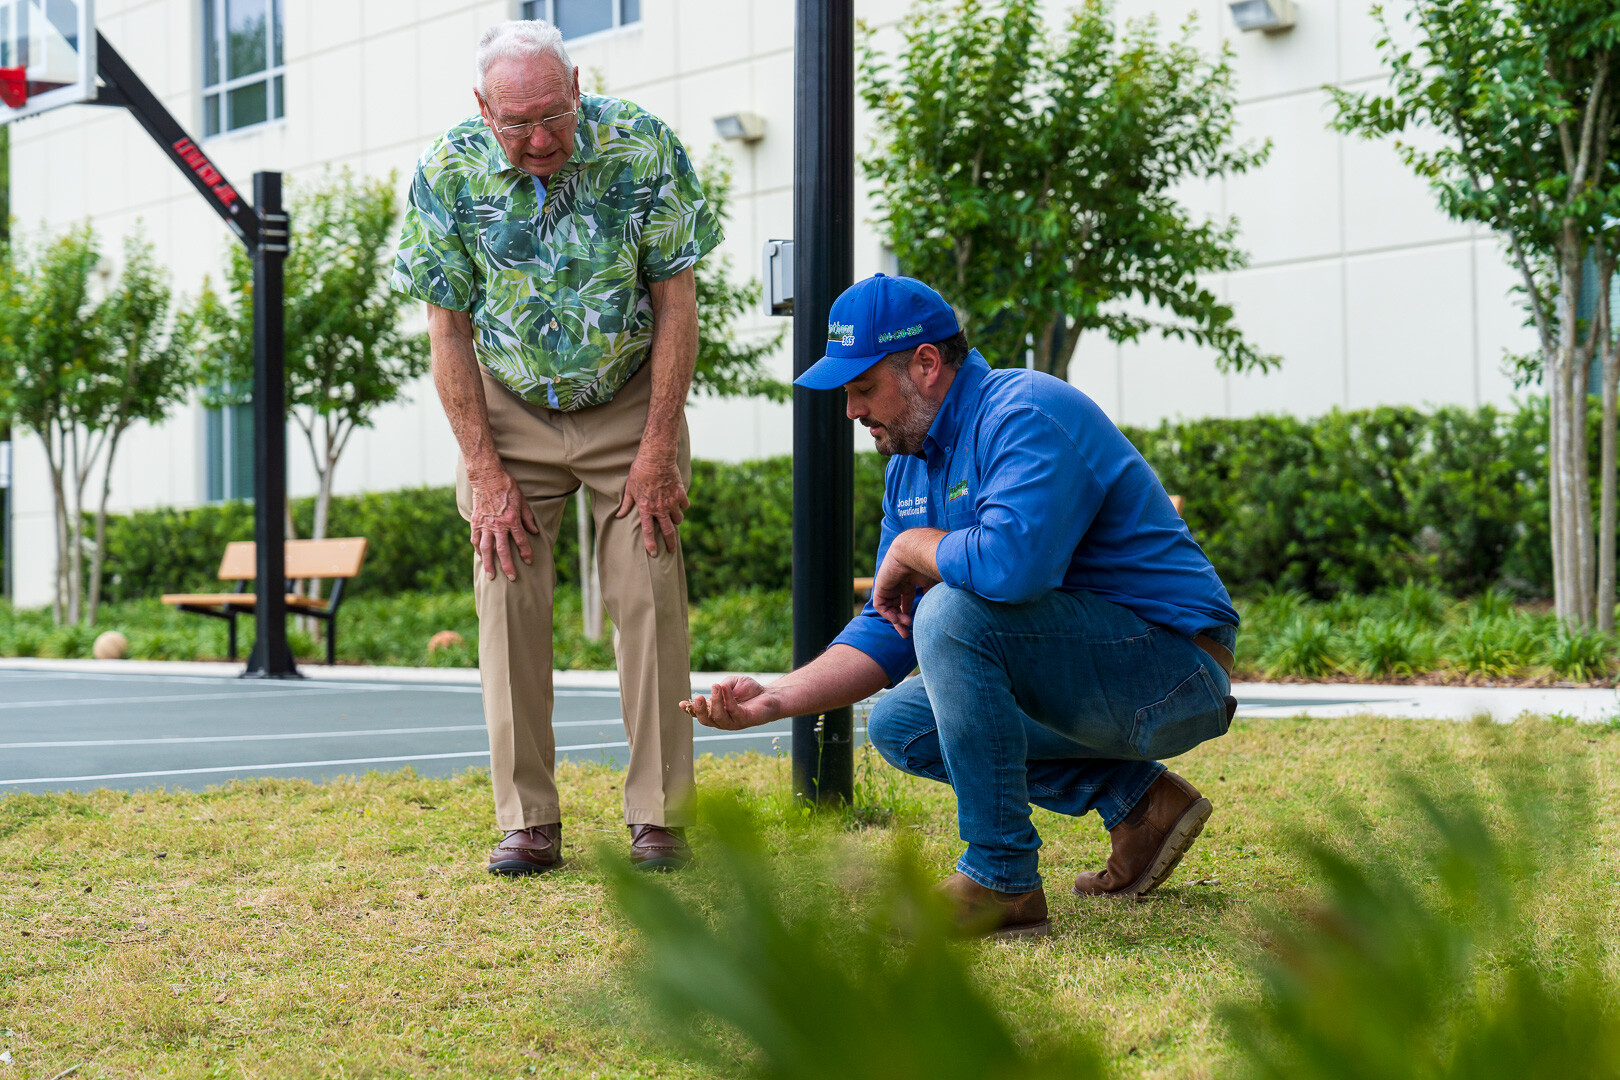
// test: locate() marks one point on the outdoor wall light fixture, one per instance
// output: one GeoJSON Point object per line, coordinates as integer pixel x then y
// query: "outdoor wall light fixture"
{"type": "Point", "coordinates": [740, 127]}
{"type": "Point", "coordinates": [1271, 16]}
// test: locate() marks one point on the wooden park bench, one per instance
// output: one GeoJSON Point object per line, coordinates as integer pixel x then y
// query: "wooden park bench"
{"type": "Point", "coordinates": [863, 585]}
{"type": "Point", "coordinates": [337, 560]}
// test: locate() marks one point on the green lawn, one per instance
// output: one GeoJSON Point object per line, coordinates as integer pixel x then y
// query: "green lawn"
{"type": "Point", "coordinates": [283, 929]}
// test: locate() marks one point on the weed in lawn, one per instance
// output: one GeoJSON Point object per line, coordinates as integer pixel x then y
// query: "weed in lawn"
{"type": "Point", "coordinates": [882, 797]}
{"type": "Point", "coordinates": [1581, 655]}
{"type": "Point", "coordinates": [1304, 647]}
{"type": "Point", "coordinates": [1452, 967]}
{"type": "Point", "coordinates": [784, 963]}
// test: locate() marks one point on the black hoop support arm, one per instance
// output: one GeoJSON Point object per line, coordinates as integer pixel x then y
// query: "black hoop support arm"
{"type": "Point", "coordinates": [122, 87]}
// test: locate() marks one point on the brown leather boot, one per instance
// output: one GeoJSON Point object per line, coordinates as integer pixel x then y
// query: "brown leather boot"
{"type": "Point", "coordinates": [655, 847]}
{"type": "Point", "coordinates": [528, 851]}
{"type": "Point", "coordinates": [1150, 841]}
{"type": "Point", "coordinates": [981, 912]}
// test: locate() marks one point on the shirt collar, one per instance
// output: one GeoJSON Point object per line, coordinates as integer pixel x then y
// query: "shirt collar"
{"type": "Point", "coordinates": [586, 147]}
{"type": "Point", "coordinates": [958, 403]}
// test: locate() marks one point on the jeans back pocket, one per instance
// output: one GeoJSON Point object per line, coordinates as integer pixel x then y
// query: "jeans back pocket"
{"type": "Point", "coordinates": [1190, 714]}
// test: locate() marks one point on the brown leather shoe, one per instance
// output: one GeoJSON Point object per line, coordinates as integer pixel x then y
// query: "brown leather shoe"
{"type": "Point", "coordinates": [981, 912]}
{"type": "Point", "coordinates": [528, 851]}
{"type": "Point", "coordinates": [654, 847]}
{"type": "Point", "coordinates": [1150, 841]}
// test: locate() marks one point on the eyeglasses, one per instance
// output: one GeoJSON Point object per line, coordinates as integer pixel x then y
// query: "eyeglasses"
{"type": "Point", "coordinates": [552, 124]}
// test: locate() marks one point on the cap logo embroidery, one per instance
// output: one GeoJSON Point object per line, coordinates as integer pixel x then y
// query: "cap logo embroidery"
{"type": "Point", "coordinates": [840, 334]}
{"type": "Point", "coordinates": [896, 335]}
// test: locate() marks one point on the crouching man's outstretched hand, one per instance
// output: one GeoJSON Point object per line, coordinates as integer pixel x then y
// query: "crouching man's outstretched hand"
{"type": "Point", "coordinates": [735, 702]}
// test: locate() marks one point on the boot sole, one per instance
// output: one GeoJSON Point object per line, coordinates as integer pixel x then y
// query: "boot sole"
{"type": "Point", "coordinates": [1019, 933]}
{"type": "Point", "coordinates": [517, 868]}
{"type": "Point", "coordinates": [1176, 844]}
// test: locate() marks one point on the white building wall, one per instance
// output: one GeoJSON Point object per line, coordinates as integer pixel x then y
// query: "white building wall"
{"type": "Point", "coordinates": [1367, 292]}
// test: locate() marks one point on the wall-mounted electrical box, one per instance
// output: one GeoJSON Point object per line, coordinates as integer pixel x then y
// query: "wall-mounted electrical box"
{"type": "Point", "coordinates": [777, 274]}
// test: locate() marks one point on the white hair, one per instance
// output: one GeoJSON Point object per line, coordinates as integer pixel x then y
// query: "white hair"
{"type": "Point", "coordinates": [520, 39]}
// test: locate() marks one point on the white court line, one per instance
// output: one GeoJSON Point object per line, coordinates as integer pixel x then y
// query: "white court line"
{"type": "Point", "coordinates": [349, 761]}
{"type": "Point", "coordinates": [304, 690]}
{"type": "Point", "coordinates": [291, 735]}
{"type": "Point", "coordinates": [165, 698]}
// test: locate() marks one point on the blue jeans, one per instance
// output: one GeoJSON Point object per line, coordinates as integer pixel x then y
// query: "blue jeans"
{"type": "Point", "coordinates": [1066, 702]}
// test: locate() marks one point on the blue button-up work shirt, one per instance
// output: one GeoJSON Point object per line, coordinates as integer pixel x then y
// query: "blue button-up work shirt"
{"type": "Point", "coordinates": [1036, 490]}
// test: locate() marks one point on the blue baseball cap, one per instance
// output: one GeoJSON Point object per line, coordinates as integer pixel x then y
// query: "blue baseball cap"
{"type": "Point", "coordinates": [874, 318]}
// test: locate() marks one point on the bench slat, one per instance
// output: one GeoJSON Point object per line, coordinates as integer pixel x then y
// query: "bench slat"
{"type": "Point", "coordinates": [240, 600]}
{"type": "Point", "coordinates": [335, 558]}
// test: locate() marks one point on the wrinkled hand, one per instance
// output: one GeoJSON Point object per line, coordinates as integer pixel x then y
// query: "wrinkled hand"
{"type": "Point", "coordinates": [656, 490]}
{"type": "Point", "coordinates": [894, 592]}
{"type": "Point", "coordinates": [734, 703]}
{"type": "Point", "coordinates": [501, 521]}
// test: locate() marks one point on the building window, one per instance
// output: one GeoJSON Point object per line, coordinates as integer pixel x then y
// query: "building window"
{"type": "Point", "coordinates": [242, 72]}
{"type": "Point", "coordinates": [576, 18]}
{"type": "Point", "coordinates": [228, 433]}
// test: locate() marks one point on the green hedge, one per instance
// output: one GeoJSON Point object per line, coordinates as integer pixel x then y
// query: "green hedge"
{"type": "Point", "coordinates": [1355, 501]}
{"type": "Point", "coordinates": [1348, 502]}
{"type": "Point", "coordinates": [738, 534]}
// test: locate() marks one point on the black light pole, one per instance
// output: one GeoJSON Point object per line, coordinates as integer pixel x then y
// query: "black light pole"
{"type": "Point", "coordinates": [823, 441]}
{"type": "Point", "coordinates": [271, 658]}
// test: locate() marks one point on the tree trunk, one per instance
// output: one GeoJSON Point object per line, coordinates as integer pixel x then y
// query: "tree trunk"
{"type": "Point", "coordinates": [98, 556]}
{"type": "Point", "coordinates": [1609, 351]}
{"type": "Point", "coordinates": [590, 587]}
{"type": "Point", "coordinates": [76, 536]}
{"type": "Point", "coordinates": [59, 505]}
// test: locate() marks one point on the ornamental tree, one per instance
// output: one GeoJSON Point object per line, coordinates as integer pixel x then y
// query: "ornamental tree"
{"type": "Point", "coordinates": [1031, 176]}
{"type": "Point", "coordinates": [1523, 94]}
{"type": "Point", "coordinates": [79, 370]}
{"type": "Point", "coordinates": [346, 353]}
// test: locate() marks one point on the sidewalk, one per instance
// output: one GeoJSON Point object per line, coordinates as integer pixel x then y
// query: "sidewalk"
{"type": "Point", "coordinates": [1254, 699]}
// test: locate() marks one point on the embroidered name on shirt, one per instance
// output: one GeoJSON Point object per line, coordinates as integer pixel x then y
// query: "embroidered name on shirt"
{"type": "Point", "coordinates": [908, 507]}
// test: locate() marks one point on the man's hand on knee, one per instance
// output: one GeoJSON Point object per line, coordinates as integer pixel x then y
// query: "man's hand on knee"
{"type": "Point", "coordinates": [501, 520]}
{"type": "Point", "coordinates": [734, 703]}
{"type": "Point", "coordinates": [657, 491]}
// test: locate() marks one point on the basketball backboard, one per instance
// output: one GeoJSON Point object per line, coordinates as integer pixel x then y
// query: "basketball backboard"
{"type": "Point", "coordinates": [47, 55]}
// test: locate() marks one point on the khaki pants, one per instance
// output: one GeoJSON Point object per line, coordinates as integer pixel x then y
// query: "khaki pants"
{"type": "Point", "coordinates": [550, 454]}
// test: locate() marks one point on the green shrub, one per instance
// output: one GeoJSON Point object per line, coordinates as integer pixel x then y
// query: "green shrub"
{"type": "Point", "coordinates": [1492, 646]}
{"type": "Point", "coordinates": [1380, 648]}
{"type": "Point", "coordinates": [1581, 655]}
{"type": "Point", "coordinates": [1356, 501]}
{"type": "Point", "coordinates": [1419, 602]}
{"type": "Point", "coordinates": [1304, 647]}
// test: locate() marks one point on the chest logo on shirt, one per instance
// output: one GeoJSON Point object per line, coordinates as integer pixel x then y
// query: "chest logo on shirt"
{"type": "Point", "coordinates": [957, 490]}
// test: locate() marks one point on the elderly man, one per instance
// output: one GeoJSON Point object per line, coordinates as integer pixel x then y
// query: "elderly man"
{"type": "Point", "coordinates": [1068, 630]}
{"type": "Point", "coordinates": [553, 238]}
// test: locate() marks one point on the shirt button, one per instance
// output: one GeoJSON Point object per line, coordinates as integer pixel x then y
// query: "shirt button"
{"type": "Point", "coordinates": [554, 324]}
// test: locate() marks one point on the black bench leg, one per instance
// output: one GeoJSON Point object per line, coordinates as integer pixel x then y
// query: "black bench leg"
{"type": "Point", "coordinates": [331, 642]}
{"type": "Point", "coordinates": [232, 650]}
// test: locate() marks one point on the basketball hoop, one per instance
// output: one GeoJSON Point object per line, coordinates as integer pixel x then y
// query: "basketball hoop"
{"type": "Point", "coordinates": [14, 86]}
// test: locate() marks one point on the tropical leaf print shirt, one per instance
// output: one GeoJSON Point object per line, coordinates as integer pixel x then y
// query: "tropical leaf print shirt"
{"type": "Point", "coordinates": [555, 275]}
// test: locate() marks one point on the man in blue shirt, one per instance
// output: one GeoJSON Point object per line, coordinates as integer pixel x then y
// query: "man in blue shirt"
{"type": "Point", "coordinates": [1068, 630]}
